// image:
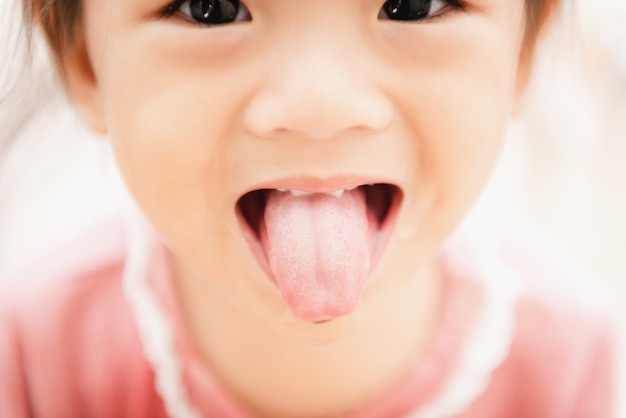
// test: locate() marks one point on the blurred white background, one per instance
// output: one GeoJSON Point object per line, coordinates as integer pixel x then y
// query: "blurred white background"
{"type": "Point", "coordinates": [564, 166]}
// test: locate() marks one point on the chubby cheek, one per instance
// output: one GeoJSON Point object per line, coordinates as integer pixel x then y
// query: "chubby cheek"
{"type": "Point", "coordinates": [166, 133]}
{"type": "Point", "coordinates": [460, 150]}
{"type": "Point", "coordinates": [457, 103]}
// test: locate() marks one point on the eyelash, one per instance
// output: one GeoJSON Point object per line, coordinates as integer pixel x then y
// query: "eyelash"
{"type": "Point", "coordinates": [449, 6]}
{"type": "Point", "coordinates": [241, 12]}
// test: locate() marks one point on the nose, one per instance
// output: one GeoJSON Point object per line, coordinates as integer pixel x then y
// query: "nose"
{"type": "Point", "coordinates": [317, 93]}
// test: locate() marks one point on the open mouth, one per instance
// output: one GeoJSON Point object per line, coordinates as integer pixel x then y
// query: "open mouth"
{"type": "Point", "coordinates": [379, 199]}
{"type": "Point", "coordinates": [319, 248]}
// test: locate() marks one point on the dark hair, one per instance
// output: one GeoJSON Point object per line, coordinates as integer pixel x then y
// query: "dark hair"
{"type": "Point", "coordinates": [59, 20]}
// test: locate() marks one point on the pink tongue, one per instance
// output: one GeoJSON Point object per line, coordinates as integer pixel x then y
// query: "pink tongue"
{"type": "Point", "coordinates": [318, 248]}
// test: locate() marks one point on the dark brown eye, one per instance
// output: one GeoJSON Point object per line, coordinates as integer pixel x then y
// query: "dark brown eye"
{"type": "Point", "coordinates": [411, 9]}
{"type": "Point", "coordinates": [214, 11]}
{"type": "Point", "coordinates": [209, 12]}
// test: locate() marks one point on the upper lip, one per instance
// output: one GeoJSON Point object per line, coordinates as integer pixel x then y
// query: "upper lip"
{"type": "Point", "coordinates": [320, 185]}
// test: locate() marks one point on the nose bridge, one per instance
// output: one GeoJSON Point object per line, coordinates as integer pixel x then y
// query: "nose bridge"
{"type": "Point", "coordinates": [318, 63]}
{"type": "Point", "coordinates": [316, 87]}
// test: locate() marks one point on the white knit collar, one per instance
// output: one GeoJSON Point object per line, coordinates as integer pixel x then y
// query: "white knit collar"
{"type": "Point", "coordinates": [486, 349]}
{"type": "Point", "coordinates": [154, 325]}
{"type": "Point", "coordinates": [490, 340]}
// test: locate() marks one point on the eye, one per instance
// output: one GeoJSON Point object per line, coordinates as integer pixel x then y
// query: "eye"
{"type": "Point", "coordinates": [210, 12]}
{"type": "Point", "coordinates": [408, 10]}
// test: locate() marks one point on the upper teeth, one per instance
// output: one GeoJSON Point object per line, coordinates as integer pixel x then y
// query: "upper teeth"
{"type": "Point", "coordinates": [337, 193]}
{"type": "Point", "coordinates": [296, 192]}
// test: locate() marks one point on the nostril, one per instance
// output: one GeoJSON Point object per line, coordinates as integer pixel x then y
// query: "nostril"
{"type": "Point", "coordinates": [317, 125]}
{"type": "Point", "coordinates": [317, 110]}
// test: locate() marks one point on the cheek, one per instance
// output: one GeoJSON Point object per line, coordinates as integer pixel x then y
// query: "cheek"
{"type": "Point", "coordinates": [459, 152]}
{"type": "Point", "coordinates": [463, 137]}
{"type": "Point", "coordinates": [169, 131]}
{"type": "Point", "coordinates": [457, 97]}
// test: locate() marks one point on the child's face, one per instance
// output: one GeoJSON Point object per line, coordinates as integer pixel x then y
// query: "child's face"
{"type": "Point", "coordinates": [310, 95]}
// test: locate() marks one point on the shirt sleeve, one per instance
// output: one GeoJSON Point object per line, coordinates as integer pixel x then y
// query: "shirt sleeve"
{"type": "Point", "coordinates": [14, 401]}
{"type": "Point", "coordinates": [596, 397]}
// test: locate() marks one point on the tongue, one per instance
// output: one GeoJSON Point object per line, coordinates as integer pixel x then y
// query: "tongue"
{"type": "Point", "coordinates": [318, 248]}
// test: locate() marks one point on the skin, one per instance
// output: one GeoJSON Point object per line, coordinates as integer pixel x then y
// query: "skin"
{"type": "Point", "coordinates": [198, 116]}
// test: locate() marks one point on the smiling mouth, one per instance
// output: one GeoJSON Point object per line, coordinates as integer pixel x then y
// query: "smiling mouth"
{"type": "Point", "coordinates": [319, 248]}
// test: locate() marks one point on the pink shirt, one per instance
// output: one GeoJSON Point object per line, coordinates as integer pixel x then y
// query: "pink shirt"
{"type": "Point", "coordinates": [70, 344]}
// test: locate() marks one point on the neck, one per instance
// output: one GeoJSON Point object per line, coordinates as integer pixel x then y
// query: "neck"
{"type": "Point", "coordinates": [279, 368]}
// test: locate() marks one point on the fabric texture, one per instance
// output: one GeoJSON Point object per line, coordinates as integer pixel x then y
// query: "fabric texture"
{"type": "Point", "coordinates": [72, 343]}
